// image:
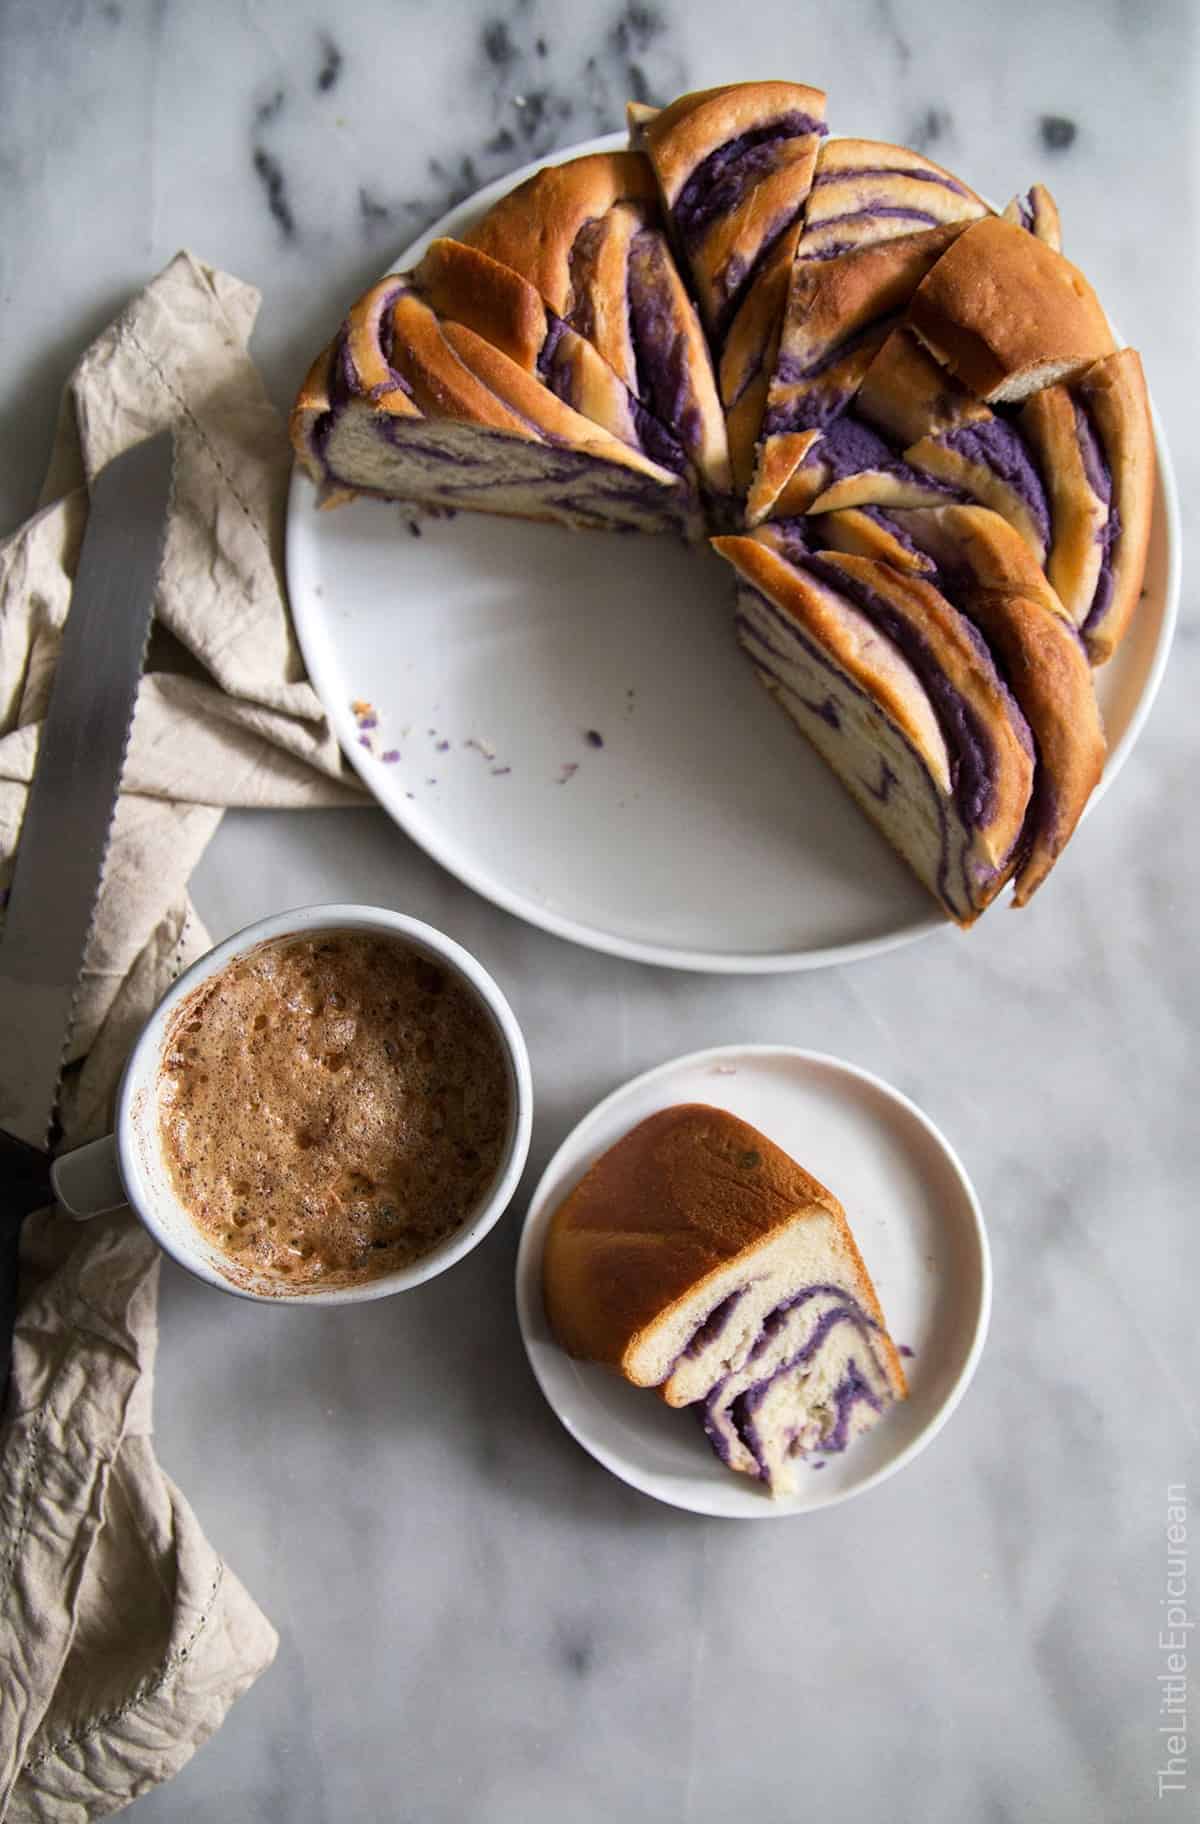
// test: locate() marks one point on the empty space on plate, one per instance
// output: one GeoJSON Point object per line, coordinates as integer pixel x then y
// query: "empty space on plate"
{"type": "Point", "coordinates": [577, 728]}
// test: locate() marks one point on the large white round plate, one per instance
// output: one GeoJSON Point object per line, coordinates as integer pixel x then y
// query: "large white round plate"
{"type": "Point", "coordinates": [915, 1218]}
{"type": "Point", "coordinates": [704, 833]}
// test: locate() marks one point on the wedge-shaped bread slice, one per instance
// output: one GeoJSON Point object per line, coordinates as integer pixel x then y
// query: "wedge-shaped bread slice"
{"type": "Point", "coordinates": [837, 314]}
{"type": "Point", "coordinates": [586, 235]}
{"type": "Point", "coordinates": [407, 405]}
{"type": "Point", "coordinates": [696, 1257]}
{"type": "Point", "coordinates": [1007, 315]}
{"type": "Point", "coordinates": [1095, 445]}
{"type": "Point", "coordinates": [899, 693]}
{"type": "Point", "coordinates": [987, 570]}
{"type": "Point", "coordinates": [734, 168]}
{"type": "Point", "coordinates": [1037, 212]}
{"type": "Point", "coordinates": [866, 191]}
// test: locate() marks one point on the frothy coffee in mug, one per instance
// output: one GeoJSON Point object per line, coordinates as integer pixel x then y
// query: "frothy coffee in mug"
{"type": "Point", "coordinates": [332, 1106]}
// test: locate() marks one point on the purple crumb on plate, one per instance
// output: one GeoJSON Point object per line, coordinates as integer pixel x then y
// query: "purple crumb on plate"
{"type": "Point", "coordinates": [365, 741]}
{"type": "Point", "coordinates": [391, 756]}
{"type": "Point", "coordinates": [499, 771]}
{"type": "Point", "coordinates": [443, 747]}
{"type": "Point", "coordinates": [594, 738]}
{"type": "Point", "coordinates": [414, 528]}
{"type": "Point", "coordinates": [904, 1349]}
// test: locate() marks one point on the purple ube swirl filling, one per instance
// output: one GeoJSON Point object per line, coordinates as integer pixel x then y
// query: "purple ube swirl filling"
{"type": "Point", "coordinates": [659, 340]}
{"type": "Point", "coordinates": [819, 406]}
{"type": "Point", "coordinates": [1099, 475]}
{"type": "Point", "coordinates": [971, 757]}
{"type": "Point", "coordinates": [850, 1389]}
{"type": "Point", "coordinates": [719, 182]}
{"type": "Point", "coordinates": [713, 1325]}
{"type": "Point", "coordinates": [875, 212]}
{"type": "Point", "coordinates": [851, 174]}
{"type": "Point", "coordinates": [847, 1310]}
{"type": "Point", "coordinates": [998, 445]}
{"type": "Point", "coordinates": [849, 447]}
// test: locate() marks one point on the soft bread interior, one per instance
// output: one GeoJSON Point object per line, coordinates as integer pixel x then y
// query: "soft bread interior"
{"type": "Point", "coordinates": [896, 785]}
{"type": "Point", "coordinates": [711, 1335]}
{"type": "Point", "coordinates": [819, 1402]}
{"type": "Point", "coordinates": [447, 463]}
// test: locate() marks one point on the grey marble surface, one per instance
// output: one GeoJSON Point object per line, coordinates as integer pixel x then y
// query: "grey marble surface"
{"type": "Point", "coordinates": [476, 1621]}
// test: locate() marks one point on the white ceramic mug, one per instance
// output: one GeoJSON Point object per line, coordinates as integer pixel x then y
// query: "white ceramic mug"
{"type": "Point", "coordinates": [128, 1166]}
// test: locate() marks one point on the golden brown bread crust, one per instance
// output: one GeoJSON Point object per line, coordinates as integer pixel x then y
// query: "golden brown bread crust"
{"type": "Point", "coordinates": [908, 395]}
{"type": "Point", "coordinates": [683, 1195]}
{"type": "Point", "coordinates": [535, 226]}
{"type": "Point", "coordinates": [467, 286]}
{"type": "Point", "coordinates": [680, 138]}
{"type": "Point", "coordinates": [1007, 314]}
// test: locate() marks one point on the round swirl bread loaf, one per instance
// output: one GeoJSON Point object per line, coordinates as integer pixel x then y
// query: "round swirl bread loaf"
{"type": "Point", "coordinates": [697, 1258]}
{"type": "Point", "coordinates": [942, 466]}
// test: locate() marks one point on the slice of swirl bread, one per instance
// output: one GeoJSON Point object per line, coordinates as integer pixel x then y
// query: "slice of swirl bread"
{"type": "Point", "coordinates": [586, 236]}
{"type": "Point", "coordinates": [866, 191]}
{"type": "Point", "coordinates": [696, 1257]}
{"type": "Point", "coordinates": [1095, 446]}
{"type": "Point", "coordinates": [734, 167]}
{"type": "Point", "coordinates": [987, 570]}
{"type": "Point", "coordinates": [409, 405]}
{"type": "Point", "coordinates": [899, 694]}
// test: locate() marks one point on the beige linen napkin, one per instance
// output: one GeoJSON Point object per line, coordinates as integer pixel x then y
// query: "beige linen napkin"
{"type": "Point", "coordinates": [123, 1636]}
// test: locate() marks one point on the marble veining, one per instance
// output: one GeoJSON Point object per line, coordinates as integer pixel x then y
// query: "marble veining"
{"type": "Point", "coordinates": [478, 1622]}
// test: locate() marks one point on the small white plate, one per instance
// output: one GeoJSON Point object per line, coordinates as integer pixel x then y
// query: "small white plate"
{"type": "Point", "coordinates": [704, 833]}
{"type": "Point", "coordinates": [915, 1218]}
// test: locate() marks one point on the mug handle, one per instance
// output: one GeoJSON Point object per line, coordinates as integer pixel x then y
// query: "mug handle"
{"type": "Point", "coordinates": [87, 1181]}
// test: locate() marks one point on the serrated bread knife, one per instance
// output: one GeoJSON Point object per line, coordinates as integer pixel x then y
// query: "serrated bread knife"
{"type": "Point", "coordinates": [68, 817]}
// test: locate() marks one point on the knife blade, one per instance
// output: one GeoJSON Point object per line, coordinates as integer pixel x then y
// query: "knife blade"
{"type": "Point", "coordinates": [72, 800]}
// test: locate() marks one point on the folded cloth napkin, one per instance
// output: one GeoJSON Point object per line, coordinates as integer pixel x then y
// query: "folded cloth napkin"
{"type": "Point", "coordinates": [123, 1637]}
